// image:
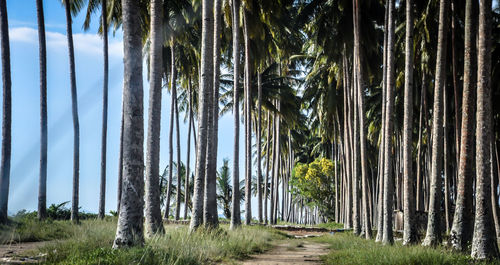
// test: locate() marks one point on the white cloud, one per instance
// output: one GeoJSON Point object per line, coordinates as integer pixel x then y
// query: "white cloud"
{"type": "Point", "coordinates": [84, 42]}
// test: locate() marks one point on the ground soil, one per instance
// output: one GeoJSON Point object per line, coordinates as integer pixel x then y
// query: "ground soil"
{"type": "Point", "coordinates": [296, 250]}
{"type": "Point", "coordinates": [20, 253]}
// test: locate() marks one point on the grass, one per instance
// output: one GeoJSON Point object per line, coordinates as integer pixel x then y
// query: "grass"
{"type": "Point", "coordinates": [92, 240]}
{"type": "Point", "coordinates": [349, 249]}
{"type": "Point", "coordinates": [32, 230]}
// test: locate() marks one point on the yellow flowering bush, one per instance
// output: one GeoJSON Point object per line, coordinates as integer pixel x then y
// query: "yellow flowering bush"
{"type": "Point", "coordinates": [314, 182]}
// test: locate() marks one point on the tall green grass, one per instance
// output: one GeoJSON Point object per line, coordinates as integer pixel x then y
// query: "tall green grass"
{"type": "Point", "coordinates": [349, 249]}
{"type": "Point", "coordinates": [92, 240]}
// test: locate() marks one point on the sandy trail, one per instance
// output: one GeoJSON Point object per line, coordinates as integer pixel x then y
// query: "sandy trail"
{"type": "Point", "coordinates": [306, 253]}
{"type": "Point", "coordinates": [18, 253]}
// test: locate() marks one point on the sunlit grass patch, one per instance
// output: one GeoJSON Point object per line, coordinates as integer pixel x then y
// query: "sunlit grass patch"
{"type": "Point", "coordinates": [92, 241]}
{"type": "Point", "coordinates": [349, 249]}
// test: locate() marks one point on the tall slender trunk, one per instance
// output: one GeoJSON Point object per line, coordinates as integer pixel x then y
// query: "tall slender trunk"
{"type": "Point", "coordinates": [188, 153]}
{"type": "Point", "coordinates": [362, 133]}
{"type": "Point", "coordinates": [456, 95]}
{"type": "Point", "coordinates": [446, 161]}
{"type": "Point", "coordinates": [409, 230]}
{"type": "Point", "coordinates": [387, 236]}
{"type": "Point", "coordinates": [268, 152]}
{"type": "Point", "coordinates": [42, 49]}
{"type": "Point", "coordinates": [120, 164]}
{"type": "Point", "coordinates": [153, 208]}
{"type": "Point", "coordinates": [420, 194]}
{"type": "Point", "coordinates": [211, 177]}
{"type": "Point", "coordinates": [173, 88]}
{"type": "Point", "coordinates": [433, 235]}
{"type": "Point", "coordinates": [356, 221]}
{"type": "Point", "coordinates": [235, 213]}
{"type": "Point", "coordinates": [484, 243]}
{"type": "Point", "coordinates": [347, 148]}
{"type": "Point", "coordinates": [461, 230]}
{"type": "Point", "coordinates": [6, 113]}
{"type": "Point", "coordinates": [273, 166]}
{"type": "Point", "coordinates": [74, 108]}
{"type": "Point", "coordinates": [102, 195]}
{"type": "Point", "coordinates": [259, 151]}
{"type": "Point", "coordinates": [248, 122]}
{"type": "Point", "coordinates": [178, 166]}
{"type": "Point", "coordinates": [381, 161]}
{"type": "Point", "coordinates": [206, 84]}
{"type": "Point", "coordinates": [130, 220]}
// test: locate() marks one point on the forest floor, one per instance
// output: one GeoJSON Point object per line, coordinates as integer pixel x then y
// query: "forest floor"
{"type": "Point", "coordinates": [60, 242]}
{"type": "Point", "coordinates": [296, 249]}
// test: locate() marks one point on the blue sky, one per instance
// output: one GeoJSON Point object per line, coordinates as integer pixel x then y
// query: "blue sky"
{"type": "Point", "coordinates": [89, 68]}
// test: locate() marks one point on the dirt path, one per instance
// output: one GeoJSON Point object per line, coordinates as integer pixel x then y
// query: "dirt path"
{"type": "Point", "coordinates": [289, 253]}
{"type": "Point", "coordinates": [18, 253]}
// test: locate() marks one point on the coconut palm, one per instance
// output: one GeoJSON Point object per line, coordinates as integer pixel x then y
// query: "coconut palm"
{"type": "Point", "coordinates": [461, 231]}
{"type": "Point", "coordinates": [72, 7]}
{"type": "Point", "coordinates": [42, 48]}
{"type": "Point", "coordinates": [152, 190]}
{"type": "Point", "coordinates": [206, 82]}
{"type": "Point", "coordinates": [433, 234]}
{"type": "Point", "coordinates": [484, 243]}
{"type": "Point", "coordinates": [130, 225]}
{"type": "Point", "coordinates": [7, 113]}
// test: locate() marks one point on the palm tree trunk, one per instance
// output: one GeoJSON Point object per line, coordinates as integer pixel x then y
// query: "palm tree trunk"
{"type": "Point", "coordinates": [268, 152]}
{"type": "Point", "coordinates": [188, 154]}
{"type": "Point", "coordinates": [235, 213]}
{"type": "Point", "coordinates": [171, 130]}
{"type": "Point", "coordinates": [362, 134]}
{"type": "Point", "coordinates": [259, 151]}
{"type": "Point", "coordinates": [120, 166]}
{"type": "Point", "coordinates": [204, 108]}
{"type": "Point", "coordinates": [6, 113]}
{"type": "Point", "coordinates": [420, 194]}
{"type": "Point", "coordinates": [42, 185]}
{"type": "Point", "coordinates": [153, 209]}
{"type": "Point", "coordinates": [76, 125]}
{"type": "Point", "coordinates": [130, 220]}
{"type": "Point", "coordinates": [433, 235]}
{"type": "Point", "coordinates": [381, 161]}
{"type": "Point", "coordinates": [446, 168]}
{"type": "Point", "coordinates": [248, 123]}
{"type": "Point", "coordinates": [178, 167]}
{"type": "Point", "coordinates": [214, 121]}
{"type": "Point", "coordinates": [455, 81]}
{"type": "Point", "coordinates": [461, 230]}
{"type": "Point", "coordinates": [484, 243]}
{"type": "Point", "coordinates": [387, 236]}
{"type": "Point", "coordinates": [102, 194]}
{"type": "Point", "coordinates": [409, 229]}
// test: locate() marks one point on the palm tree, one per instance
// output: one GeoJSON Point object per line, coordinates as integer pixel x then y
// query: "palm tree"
{"type": "Point", "coordinates": [206, 82]}
{"type": "Point", "coordinates": [387, 236]}
{"type": "Point", "coordinates": [178, 198]}
{"type": "Point", "coordinates": [235, 213]}
{"type": "Point", "coordinates": [130, 219]}
{"type": "Point", "coordinates": [173, 91]}
{"type": "Point", "coordinates": [248, 122]}
{"type": "Point", "coordinates": [102, 195]}
{"type": "Point", "coordinates": [409, 231]}
{"type": "Point", "coordinates": [361, 109]}
{"type": "Point", "coordinates": [42, 185]}
{"type": "Point", "coordinates": [152, 190]}
{"type": "Point", "coordinates": [461, 230]}
{"type": "Point", "coordinates": [484, 243]}
{"type": "Point", "coordinates": [433, 235]}
{"type": "Point", "coordinates": [73, 6]}
{"type": "Point", "coordinates": [7, 113]}
{"type": "Point", "coordinates": [224, 188]}
{"type": "Point", "coordinates": [188, 154]}
{"type": "Point", "coordinates": [259, 154]}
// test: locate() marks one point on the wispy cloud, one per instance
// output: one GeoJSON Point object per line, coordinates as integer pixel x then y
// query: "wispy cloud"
{"type": "Point", "coordinates": [84, 42]}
